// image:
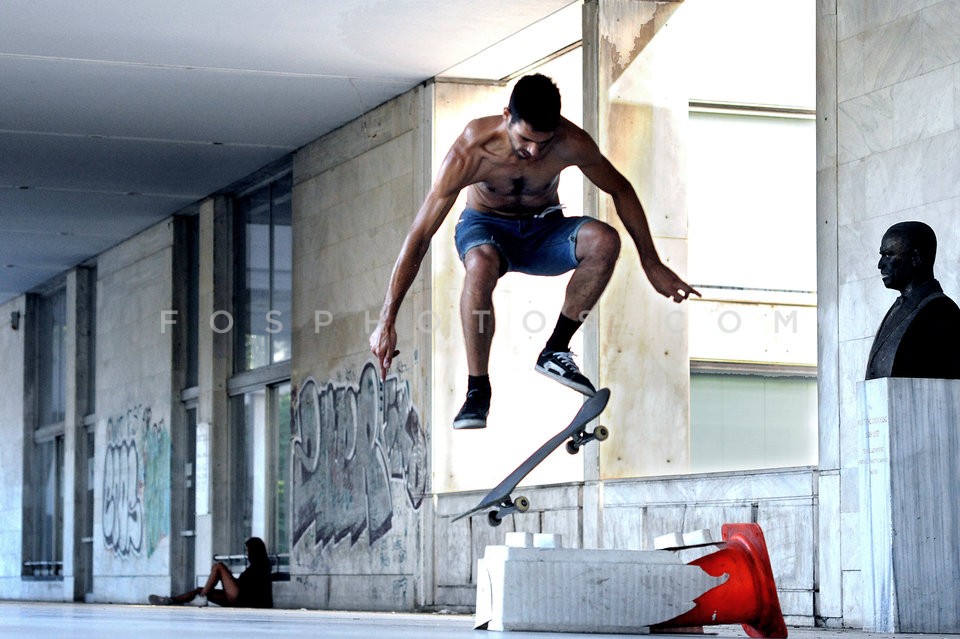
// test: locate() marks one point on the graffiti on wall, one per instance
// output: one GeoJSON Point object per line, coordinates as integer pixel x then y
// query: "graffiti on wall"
{"type": "Point", "coordinates": [352, 446]}
{"type": "Point", "coordinates": [136, 483]}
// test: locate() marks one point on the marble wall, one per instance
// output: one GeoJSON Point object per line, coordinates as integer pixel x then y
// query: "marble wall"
{"type": "Point", "coordinates": [888, 143]}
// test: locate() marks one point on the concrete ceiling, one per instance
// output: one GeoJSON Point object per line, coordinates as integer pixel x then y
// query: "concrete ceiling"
{"type": "Point", "coordinates": [117, 113]}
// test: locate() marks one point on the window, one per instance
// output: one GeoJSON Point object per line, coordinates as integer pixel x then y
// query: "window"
{"type": "Point", "coordinates": [44, 475]}
{"type": "Point", "coordinates": [262, 454]}
{"type": "Point", "coordinates": [751, 177]}
{"type": "Point", "coordinates": [260, 389]}
{"type": "Point", "coordinates": [264, 249]}
{"type": "Point", "coordinates": [743, 422]}
{"type": "Point", "coordinates": [280, 470]}
{"type": "Point", "coordinates": [191, 251]}
{"type": "Point", "coordinates": [51, 358]}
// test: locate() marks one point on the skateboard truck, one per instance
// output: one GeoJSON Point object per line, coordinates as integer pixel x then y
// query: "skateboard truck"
{"type": "Point", "coordinates": [582, 437]}
{"type": "Point", "coordinates": [507, 507]}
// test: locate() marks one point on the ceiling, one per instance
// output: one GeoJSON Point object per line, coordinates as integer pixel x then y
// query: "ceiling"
{"type": "Point", "coordinates": [118, 113]}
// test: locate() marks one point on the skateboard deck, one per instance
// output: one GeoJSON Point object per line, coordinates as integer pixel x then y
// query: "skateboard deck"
{"type": "Point", "coordinates": [500, 500]}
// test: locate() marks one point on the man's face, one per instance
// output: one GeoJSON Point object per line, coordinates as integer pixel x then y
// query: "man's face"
{"type": "Point", "coordinates": [527, 143]}
{"type": "Point", "coordinates": [897, 266]}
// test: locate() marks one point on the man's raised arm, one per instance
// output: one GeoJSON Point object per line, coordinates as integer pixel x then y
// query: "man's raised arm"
{"type": "Point", "coordinates": [455, 173]}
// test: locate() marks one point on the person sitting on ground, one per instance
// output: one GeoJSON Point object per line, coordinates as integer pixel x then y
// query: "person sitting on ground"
{"type": "Point", "coordinates": [252, 589]}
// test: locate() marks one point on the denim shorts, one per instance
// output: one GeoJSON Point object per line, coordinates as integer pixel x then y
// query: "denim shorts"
{"type": "Point", "coordinates": [544, 244]}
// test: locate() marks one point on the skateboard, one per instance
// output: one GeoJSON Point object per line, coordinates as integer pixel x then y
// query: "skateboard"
{"type": "Point", "coordinates": [575, 434]}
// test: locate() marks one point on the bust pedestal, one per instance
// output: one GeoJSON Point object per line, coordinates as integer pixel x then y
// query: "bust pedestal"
{"type": "Point", "coordinates": [910, 504]}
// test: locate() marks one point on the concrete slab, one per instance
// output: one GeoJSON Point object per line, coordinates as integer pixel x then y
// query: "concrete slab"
{"type": "Point", "coordinates": [577, 590]}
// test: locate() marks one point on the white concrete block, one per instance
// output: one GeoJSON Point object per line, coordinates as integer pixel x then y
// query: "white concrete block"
{"type": "Point", "coordinates": [669, 540]}
{"type": "Point", "coordinates": [697, 537]}
{"type": "Point", "coordinates": [675, 540]}
{"type": "Point", "coordinates": [547, 540]}
{"type": "Point", "coordinates": [519, 540]}
{"type": "Point", "coordinates": [574, 590]}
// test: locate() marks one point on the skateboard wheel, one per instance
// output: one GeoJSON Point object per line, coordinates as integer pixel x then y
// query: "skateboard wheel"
{"type": "Point", "coordinates": [493, 518]}
{"type": "Point", "coordinates": [572, 447]}
{"type": "Point", "coordinates": [601, 433]}
{"type": "Point", "coordinates": [522, 504]}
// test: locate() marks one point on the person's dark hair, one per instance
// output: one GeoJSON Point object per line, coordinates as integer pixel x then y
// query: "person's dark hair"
{"type": "Point", "coordinates": [257, 553]}
{"type": "Point", "coordinates": [920, 237]}
{"type": "Point", "coordinates": [536, 100]}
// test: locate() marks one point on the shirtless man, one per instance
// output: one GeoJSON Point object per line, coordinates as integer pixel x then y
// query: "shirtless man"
{"type": "Point", "coordinates": [510, 165]}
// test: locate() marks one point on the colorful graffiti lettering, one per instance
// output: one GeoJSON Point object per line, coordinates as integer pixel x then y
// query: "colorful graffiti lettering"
{"type": "Point", "coordinates": [351, 443]}
{"type": "Point", "coordinates": [136, 497]}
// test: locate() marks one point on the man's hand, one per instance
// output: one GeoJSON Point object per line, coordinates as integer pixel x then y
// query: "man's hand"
{"type": "Point", "coordinates": [666, 282]}
{"type": "Point", "coordinates": [383, 345]}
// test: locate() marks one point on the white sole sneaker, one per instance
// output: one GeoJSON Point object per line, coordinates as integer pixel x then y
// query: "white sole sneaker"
{"type": "Point", "coordinates": [569, 383]}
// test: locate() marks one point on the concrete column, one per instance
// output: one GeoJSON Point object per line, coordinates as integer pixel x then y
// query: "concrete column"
{"type": "Point", "coordinates": [833, 512]}
{"type": "Point", "coordinates": [215, 357]}
{"type": "Point", "coordinates": [636, 109]}
{"type": "Point", "coordinates": [80, 284]}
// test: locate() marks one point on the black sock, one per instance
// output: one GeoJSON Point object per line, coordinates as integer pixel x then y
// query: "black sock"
{"type": "Point", "coordinates": [564, 330]}
{"type": "Point", "coordinates": [479, 383]}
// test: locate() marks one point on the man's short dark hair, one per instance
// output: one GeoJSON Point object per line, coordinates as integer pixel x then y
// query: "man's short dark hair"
{"type": "Point", "coordinates": [536, 101]}
{"type": "Point", "coordinates": [919, 238]}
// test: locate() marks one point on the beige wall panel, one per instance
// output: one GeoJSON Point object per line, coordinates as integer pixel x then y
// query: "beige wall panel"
{"type": "Point", "coordinates": [642, 342]}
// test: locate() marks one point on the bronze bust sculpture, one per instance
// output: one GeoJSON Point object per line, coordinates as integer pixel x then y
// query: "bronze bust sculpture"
{"type": "Point", "coordinates": [920, 334]}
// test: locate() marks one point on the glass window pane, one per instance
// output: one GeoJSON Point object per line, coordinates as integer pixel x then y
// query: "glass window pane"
{"type": "Point", "coordinates": [51, 364]}
{"type": "Point", "coordinates": [264, 297]}
{"type": "Point", "coordinates": [242, 444]}
{"type": "Point", "coordinates": [281, 283]}
{"type": "Point", "coordinates": [741, 422]}
{"type": "Point", "coordinates": [257, 278]}
{"type": "Point", "coordinates": [192, 249]}
{"type": "Point", "coordinates": [733, 33]}
{"type": "Point", "coordinates": [46, 553]}
{"type": "Point", "coordinates": [281, 465]}
{"type": "Point", "coordinates": [752, 201]}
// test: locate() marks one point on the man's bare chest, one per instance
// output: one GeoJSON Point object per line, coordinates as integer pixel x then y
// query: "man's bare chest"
{"type": "Point", "coordinates": [521, 179]}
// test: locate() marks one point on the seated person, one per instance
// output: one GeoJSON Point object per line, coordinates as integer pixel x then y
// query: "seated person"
{"type": "Point", "coordinates": [252, 589]}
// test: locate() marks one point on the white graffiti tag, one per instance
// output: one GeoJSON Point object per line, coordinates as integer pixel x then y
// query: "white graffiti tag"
{"type": "Point", "coordinates": [122, 507]}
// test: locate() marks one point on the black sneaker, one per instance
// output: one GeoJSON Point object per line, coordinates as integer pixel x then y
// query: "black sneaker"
{"type": "Point", "coordinates": [473, 413]}
{"type": "Point", "coordinates": [559, 365]}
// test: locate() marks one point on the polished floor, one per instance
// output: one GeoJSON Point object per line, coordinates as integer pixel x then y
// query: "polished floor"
{"type": "Point", "coordinates": [27, 620]}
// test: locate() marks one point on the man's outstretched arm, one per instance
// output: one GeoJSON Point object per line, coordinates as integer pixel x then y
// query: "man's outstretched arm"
{"type": "Point", "coordinates": [606, 177]}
